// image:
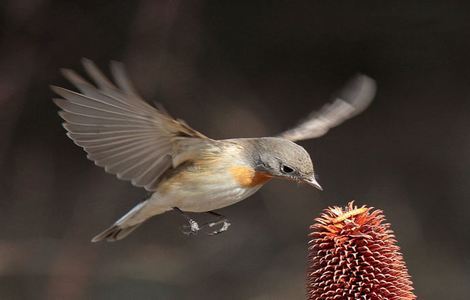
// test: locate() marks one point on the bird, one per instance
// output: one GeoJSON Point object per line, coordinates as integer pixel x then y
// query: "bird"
{"type": "Point", "coordinates": [181, 168]}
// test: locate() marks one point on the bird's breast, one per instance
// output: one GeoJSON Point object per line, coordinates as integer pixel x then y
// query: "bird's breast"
{"type": "Point", "coordinates": [197, 188]}
{"type": "Point", "coordinates": [247, 177]}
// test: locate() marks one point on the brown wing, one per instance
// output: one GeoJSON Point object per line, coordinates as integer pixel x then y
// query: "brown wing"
{"type": "Point", "coordinates": [119, 130]}
{"type": "Point", "coordinates": [354, 98]}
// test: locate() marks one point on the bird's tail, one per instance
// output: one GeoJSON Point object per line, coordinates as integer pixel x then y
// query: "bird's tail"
{"type": "Point", "coordinates": [114, 233]}
{"type": "Point", "coordinates": [128, 223]}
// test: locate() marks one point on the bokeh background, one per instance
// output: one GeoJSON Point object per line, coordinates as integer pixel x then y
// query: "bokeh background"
{"type": "Point", "coordinates": [236, 69]}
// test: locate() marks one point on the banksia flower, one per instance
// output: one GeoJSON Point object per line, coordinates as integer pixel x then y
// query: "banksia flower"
{"type": "Point", "coordinates": [353, 255]}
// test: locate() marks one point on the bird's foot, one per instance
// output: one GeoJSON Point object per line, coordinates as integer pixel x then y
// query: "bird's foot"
{"type": "Point", "coordinates": [218, 226]}
{"type": "Point", "coordinates": [191, 229]}
{"type": "Point", "coordinates": [222, 223]}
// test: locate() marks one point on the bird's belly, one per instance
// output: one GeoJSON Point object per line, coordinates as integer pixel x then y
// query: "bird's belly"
{"type": "Point", "coordinates": [206, 195]}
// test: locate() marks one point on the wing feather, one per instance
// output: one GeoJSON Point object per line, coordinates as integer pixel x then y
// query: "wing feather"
{"type": "Point", "coordinates": [122, 80]}
{"type": "Point", "coordinates": [153, 171]}
{"type": "Point", "coordinates": [354, 99]}
{"type": "Point", "coordinates": [119, 130]}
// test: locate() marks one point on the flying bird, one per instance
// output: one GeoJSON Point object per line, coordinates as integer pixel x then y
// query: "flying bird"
{"type": "Point", "coordinates": [181, 168]}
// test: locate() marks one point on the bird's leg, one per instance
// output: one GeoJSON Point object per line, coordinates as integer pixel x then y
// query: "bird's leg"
{"type": "Point", "coordinates": [193, 226]}
{"type": "Point", "coordinates": [221, 220]}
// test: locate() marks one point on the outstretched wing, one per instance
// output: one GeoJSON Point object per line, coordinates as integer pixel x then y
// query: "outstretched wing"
{"type": "Point", "coordinates": [119, 130]}
{"type": "Point", "coordinates": [353, 99]}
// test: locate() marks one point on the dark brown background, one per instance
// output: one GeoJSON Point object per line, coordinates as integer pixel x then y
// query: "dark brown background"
{"type": "Point", "coordinates": [235, 69]}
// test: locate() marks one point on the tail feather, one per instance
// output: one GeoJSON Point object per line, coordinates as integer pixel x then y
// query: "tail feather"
{"type": "Point", "coordinates": [130, 221]}
{"type": "Point", "coordinates": [115, 233]}
{"type": "Point", "coordinates": [125, 225]}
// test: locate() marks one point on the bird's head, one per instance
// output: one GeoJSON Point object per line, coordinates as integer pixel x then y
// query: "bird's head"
{"type": "Point", "coordinates": [282, 158]}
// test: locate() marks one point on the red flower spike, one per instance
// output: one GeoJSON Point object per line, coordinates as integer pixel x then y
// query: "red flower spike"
{"type": "Point", "coordinates": [354, 255]}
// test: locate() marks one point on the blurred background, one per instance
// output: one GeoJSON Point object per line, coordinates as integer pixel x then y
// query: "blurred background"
{"type": "Point", "coordinates": [234, 69]}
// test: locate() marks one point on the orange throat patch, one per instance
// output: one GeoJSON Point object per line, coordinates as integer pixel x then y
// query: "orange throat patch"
{"type": "Point", "coordinates": [248, 177]}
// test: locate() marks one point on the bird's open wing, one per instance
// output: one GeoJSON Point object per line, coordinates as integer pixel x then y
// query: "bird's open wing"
{"type": "Point", "coordinates": [354, 98]}
{"type": "Point", "coordinates": [119, 130]}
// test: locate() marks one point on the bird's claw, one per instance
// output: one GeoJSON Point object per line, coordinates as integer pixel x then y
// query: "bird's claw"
{"type": "Point", "coordinates": [192, 228]}
{"type": "Point", "coordinates": [224, 225]}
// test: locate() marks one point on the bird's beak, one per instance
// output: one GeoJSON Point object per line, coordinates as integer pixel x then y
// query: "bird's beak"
{"type": "Point", "coordinates": [313, 182]}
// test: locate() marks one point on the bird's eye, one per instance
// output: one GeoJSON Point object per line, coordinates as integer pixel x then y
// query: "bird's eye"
{"type": "Point", "coordinates": [287, 169]}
